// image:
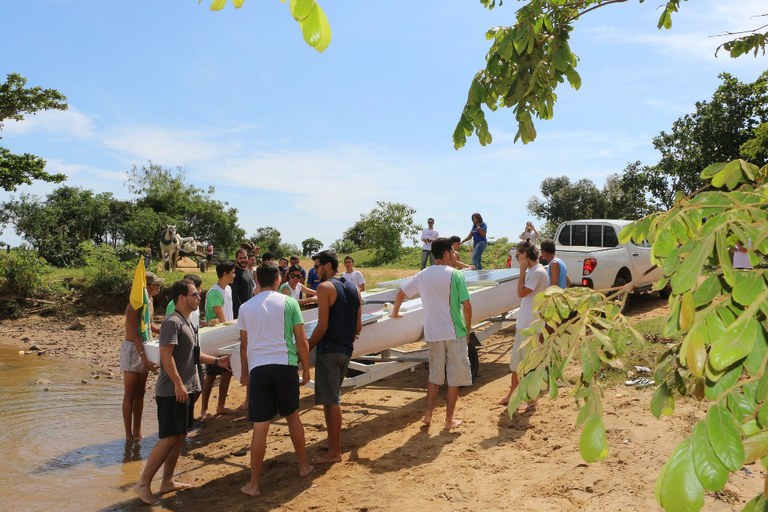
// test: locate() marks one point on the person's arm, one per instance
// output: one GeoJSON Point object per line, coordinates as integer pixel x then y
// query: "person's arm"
{"type": "Point", "coordinates": [359, 324]}
{"type": "Point", "coordinates": [362, 284]}
{"type": "Point", "coordinates": [324, 306]}
{"type": "Point", "coordinates": [220, 361]}
{"type": "Point", "coordinates": [302, 349]}
{"type": "Point", "coordinates": [244, 358]}
{"type": "Point", "coordinates": [554, 273]}
{"type": "Point", "coordinates": [469, 236]}
{"type": "Point", "coordinates": [398, 301]}
{"type": "Point", "coordinates": [481, 231]}
{"type": "Point", "coordinates": [522, 291]}
{"type": "Point", "coordinates": [307, 290]}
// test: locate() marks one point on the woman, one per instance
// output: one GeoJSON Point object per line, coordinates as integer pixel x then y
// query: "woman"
{"type": "Point", "coordinates": [352, 275]}
{"type": "Point", "coordinates": [530, 233]}
{"type": "Point", "coordinates": [294, 288]}
{"type": "Point", "coordinates": [480, 242]}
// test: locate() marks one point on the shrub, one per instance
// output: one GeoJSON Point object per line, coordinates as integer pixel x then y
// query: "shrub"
{"type": "Point", "coordinates": [22, 274]}
{"type": "Point", "coordinates": [104, 271]}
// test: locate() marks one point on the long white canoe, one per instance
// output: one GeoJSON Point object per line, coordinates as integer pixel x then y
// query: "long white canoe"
{"type": "Point", "coordinates": [211, 340]}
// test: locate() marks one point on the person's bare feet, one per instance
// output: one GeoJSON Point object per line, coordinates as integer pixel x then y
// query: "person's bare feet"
{"type": "Point", "coordinates": [427, 420]}
{"type": "Point", "coordinates": [327, 458]}
{"type": "Point", "coordinates": [205, 415]}
{"type": "Point", "coordinates": [306, 470]}
{"type": "Point", "coordinates": [251, 490]}
{"type": "Point", "coordinates": [504, 401]}
{"type": "Point", "coordinates": [171, 486]}
{"type": "Point", "coordinates": [243, 407]}
{"type": "Point", "coordinates": [224, 410]}
{"type": "Point", "coordinates": [138, 437]}
{"type": "Point", "coordinates": [144, 493]}
{"type": "Point", "coordinates": [449, 425]}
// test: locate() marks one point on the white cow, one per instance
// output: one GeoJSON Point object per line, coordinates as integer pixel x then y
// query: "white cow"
{"type": "Point", "coordinates": [170, 243]}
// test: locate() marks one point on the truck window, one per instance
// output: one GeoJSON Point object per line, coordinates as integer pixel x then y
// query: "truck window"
{"type": "Point", "coordinates": [579, 235]}
{"type": "Point", "coordinates": [565, 235]}
{"type": "Point", "coordinates": [610, 239]}
{"type": "Point", "coordinates": [595, 236]}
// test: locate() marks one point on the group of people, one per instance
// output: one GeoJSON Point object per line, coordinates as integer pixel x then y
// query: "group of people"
{"type": "Point", "coordinates": [266, 305]}
{"type": "Point", "coordinates": [479, 243]}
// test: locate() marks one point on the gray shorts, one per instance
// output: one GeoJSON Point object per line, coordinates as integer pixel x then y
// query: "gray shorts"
{"type": "Point", "coordinates": [449, 361]}
{"type": "Point", "coordinates": [330, 370]}
{"type": "Point", "coordinates": [130, 360]}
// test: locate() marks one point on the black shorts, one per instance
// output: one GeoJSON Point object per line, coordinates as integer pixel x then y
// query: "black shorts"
{"type": "Point", "coordinates": [272, 388]}
{"type": "Point", "coordinates": [174, 418]}
{"type": "Point", "coordinates": [212, 370]}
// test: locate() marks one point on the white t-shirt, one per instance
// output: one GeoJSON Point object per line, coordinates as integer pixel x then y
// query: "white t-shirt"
{"type": "Point", "coordinates": [443, 290]}
{"type": "Point", "coordinates": [268, 319]}
{"type": "Point", "coordinates": [429, 234]}
{"type": "Point", "coordinates": [355, 277]}
{"type": "Point", "coordinates": [529, 233]}
{"type": "Point", "coordinates": [536, 279]}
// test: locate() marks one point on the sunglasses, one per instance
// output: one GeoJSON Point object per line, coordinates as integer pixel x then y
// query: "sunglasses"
{"type": "Point", "coordinates": [194, 294]}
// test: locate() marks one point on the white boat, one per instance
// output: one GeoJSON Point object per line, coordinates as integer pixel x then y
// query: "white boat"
{"type": "Point", "coordinates": [211, 340]}
{"type": "Point", "coordinates": [492, 292]}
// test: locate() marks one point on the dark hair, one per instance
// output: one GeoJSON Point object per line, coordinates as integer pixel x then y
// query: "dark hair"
{"type": "Point", "coordinates": [195, 279]}
{"type": "Point", "coordinates": [430, 219]}
{"type": "Point", "coordinates": [295, 268]}
{"type": "Point", "coordinates": [223, 268]}
{"type": "Point", "coordinates": [180, 288]}
{"type": "Point", "coordinates": [529, 249]}
{"type": "Point", "coordinates": [266, 275]}
{"type": "Point", "coordinates": [548, 245]}
{"type": "Point", "coordinates": [350, 258]}
{"type": "Point", "coordinates": [241, 250]}
{"type": "Point", "coordinates": [479, 217]}
{"type": "Point", "coordinates": [440, 247]}
{"type": "Point", "coordinates": [267, 256]}
{"type": "Point", "coordinates": [293, 257]}
{"type": "Point", "coordinates": [328, 256]}
{"type": "Point", "coordinates": [455, 238]}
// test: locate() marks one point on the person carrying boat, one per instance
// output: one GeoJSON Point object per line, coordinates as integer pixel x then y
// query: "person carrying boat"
{"type": "Point", "coordinates": [272, 343]}
{"type": "Point", "coordinates": [339, 322]}
{"type": "Point", "coordinates": [174, 391]}
{"type": "Point", "coordinates": [447, 322]}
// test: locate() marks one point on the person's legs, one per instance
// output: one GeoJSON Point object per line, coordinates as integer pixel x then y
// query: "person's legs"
{"type": "Point", "coordinates": [431, 258]}
{"type": "Point", "coordinates": [258, 449]}
{"type": "Point", "coordinates": [156, 458]}
{"type": "Point", "coordinates": [138, 404]}
{"type": "Point", "coordinates": [477, 254]}
{"type": "Point", "coordinates": [169, 466]}
{"type": "Point", "coordinates": [432, 390]}
{"type": "Point", "coordinates": [223, 390]}
{"type": "Point", "coordinates": [206, 395]}
{"type": "Point", "coordinates": [130, 383]}
{"type": "Point", "coordinates": [424, 256]}
{"type": "Point", "coordinates": [329, 375]}
{"type": "Point", "coordinates": [296, 429]}
{"type": "Point", "coordinates": [512, 386]}
{"type": "Point", "coordinates": [452, 398]}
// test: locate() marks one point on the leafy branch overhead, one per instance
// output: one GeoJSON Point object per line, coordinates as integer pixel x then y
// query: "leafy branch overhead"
{"type": "Point", "coordinates": [527, 61]}
{"type": "Point", "coordinates": [309, 15]}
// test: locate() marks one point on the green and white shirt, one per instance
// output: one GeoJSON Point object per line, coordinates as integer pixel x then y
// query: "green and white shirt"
{"type": "Point", "coordinates": [443, 290]}
{"type": "Point", "coordinates": [269, 319]}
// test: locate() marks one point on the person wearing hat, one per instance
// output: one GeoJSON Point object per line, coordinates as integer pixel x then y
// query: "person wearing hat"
{"type": "Point", "coordinates": [134, 363]}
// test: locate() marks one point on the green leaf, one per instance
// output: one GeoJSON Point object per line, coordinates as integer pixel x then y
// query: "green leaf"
{"type": "Point", "coordinates": [754, 361]}
{"type": "Point", "coordinates": [711, 170]}
{"type": "Point", "coordinates": [696, 351]}
{"type": "Point", "coordinates": [590, 363]}
{"type": "Point", "coordinates": [747, 287]}
{"type": "Point", "coordinates": [708, 290]}
{"type": "Point", "coordinates": [690, 269]}
{"type": "Point", "coordinates": [316, 29]}
{"type": "Point", "coordinates": [736, 343]}
{"type": "Point", "coordinates": [757, 504]}
{"type": "Point", "coordinates": [725, 258]}
{"type": "Point", "coordinates": [573, 78]}
{"type": "Point", "coordinates": [593, 443]}
{"type": "Point", "coordinates": [724, 437]}
{"type": "Point", "coordinates": [552, 386]}
{"type": "Point", "coordinates": [762, 415]}
{"type": "Point", "coordinates": [712, 474]}
{"type": "Point", "coordinates": [300, 9]}
{"type": "Point", "coordinates": [662, 403]}
{"type": "Point", "coordinates": [561, 59]}
{"type": "Point", "coordinates": [740, 406]}
{"type": "Point", "coordinates": [721, 381]}
{"type": "Point", "coordinates": [762, 389]}
{"type": "Point", "coordinates": [687, 311]}
{"type": "Point", "coordinates": [755, 447]}
{"type": "Point", "coordinates": [678, 488]}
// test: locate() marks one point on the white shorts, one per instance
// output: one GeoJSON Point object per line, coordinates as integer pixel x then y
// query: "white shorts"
{"type": "Point", "coordinates": [130, 360]}
{"type": "Point", "coordinates": [449, 360]}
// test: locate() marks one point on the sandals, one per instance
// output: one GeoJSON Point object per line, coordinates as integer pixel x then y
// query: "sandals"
{"type": "Point", "coordinates": [641, 382]}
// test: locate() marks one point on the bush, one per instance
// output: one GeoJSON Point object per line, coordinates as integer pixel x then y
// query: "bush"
{"type": "Point", "coordinates": [104, 270]}
{"type": "Point", "coordinates": [344, 246]}
{"type": "Point", "coordinates": [22, 275]}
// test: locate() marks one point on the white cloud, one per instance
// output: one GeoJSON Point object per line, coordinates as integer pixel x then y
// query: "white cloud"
{"type": "Point", "coordinates": [69, 123]}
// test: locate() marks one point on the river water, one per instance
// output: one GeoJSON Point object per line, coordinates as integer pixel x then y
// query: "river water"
{"type": "Point", "coordinates": [63, 449]}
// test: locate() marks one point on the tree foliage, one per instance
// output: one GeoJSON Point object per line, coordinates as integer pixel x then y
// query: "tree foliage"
{"type": "Point", "coordinates": [722, 321]}
{"type": "Point", "coordinates": [385, 227]}
{"type": "Point", "coordinates": [310, 246]}
{"type": "Point", "coordinates": [268, 239]}
{"type": "Point", "coordinates": [17, 101]}
{"type": "Point", "coordinates": [527, 61]}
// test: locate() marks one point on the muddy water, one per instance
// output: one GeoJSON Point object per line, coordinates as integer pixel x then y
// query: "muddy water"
{"type": "Point", "coordinates": [63, 449]}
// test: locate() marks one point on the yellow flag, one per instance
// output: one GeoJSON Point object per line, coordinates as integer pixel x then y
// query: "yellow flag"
{"type": "Point", "coordinates": [140, 300]}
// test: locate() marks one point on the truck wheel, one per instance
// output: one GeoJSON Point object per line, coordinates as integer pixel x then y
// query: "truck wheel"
{"type": "Point", "coordinates": [620, 281]}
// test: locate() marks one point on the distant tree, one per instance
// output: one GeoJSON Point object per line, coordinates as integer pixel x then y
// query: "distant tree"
{"type": "Point", "coordinates": [356, 234]}
{"type": "Point", "coordinates": [16, 101]}
{"type": "Point", "coordinates": [756, 149]}
{"type": "Point", "coordinates": [310, 246]}
{"type": "Point", "coordinates": [564, 201]}
{"type": "Point", "coordinates": [385, 227]}
{"type": "Point", "coordinates": [268, 239]}
{"type": "Point", "coordinates": [344, 246]}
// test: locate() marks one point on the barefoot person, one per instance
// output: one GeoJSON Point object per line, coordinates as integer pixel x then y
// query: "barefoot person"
{"type": "Point", "coordinates": [533, 279]}
{"type": "Point", "coordinates": [134, 363]}
{"type": "Point", "coordinates": [177, 383]}
{"type": "Point", "coordinates": [272, 342]}
{"type": "Point", "coordinates": [339, 321]}
{"type": "Point", "coordinates": [447, 320]}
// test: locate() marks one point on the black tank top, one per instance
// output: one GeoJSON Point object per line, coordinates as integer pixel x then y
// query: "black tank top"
{"type": "Point", "coordinates": [342, 320]}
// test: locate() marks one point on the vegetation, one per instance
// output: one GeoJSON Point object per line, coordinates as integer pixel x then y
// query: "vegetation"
{"type": "Point", "coordinates": [17, 101]}
{"type": "Point", "coordinates": [382, 230]}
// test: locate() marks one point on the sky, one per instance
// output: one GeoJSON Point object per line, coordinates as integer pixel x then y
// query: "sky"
{"type": "Point", "coordinates": [305, 142]}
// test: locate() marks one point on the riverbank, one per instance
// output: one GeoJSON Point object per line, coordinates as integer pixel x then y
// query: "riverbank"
{"type": "Point", "coordinates": [530, 462]}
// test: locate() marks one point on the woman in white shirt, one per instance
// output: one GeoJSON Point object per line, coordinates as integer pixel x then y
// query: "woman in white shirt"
{"type": "Point", "coordinates": [352, 275]}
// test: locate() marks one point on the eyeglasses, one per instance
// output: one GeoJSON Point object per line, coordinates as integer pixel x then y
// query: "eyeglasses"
{"type": "Point", "coordinates": [194, 294]}
{"type": "Point", "coordinates": [295, 276]}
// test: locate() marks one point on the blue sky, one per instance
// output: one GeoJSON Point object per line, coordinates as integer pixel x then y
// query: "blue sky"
{"type": "Point", "coordinates": [306, 142]}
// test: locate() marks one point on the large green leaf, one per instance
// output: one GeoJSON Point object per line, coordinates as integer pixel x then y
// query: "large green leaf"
{"type": "Point", "coordinates": [755, 447]}
{"type": "Point", "coordinates": [747, 287]}
{"type": "Point", "coordinates": [696, 352]}
{"type": "Point", "coordinates": [754, 361]}
{"type": "Point", "coordinates": [663, 403]}
{"type": "Point", "coordinates": [708, 290]}
{"type": "Point", "coordinates": [593, 443]}
{"type": "Point", "coordinates": [724, 437]}
{"type": "Point", "coordinates": [734, 344]}
{"type": "Point", "coordinates": [711, 472]}
{"type": "Point", "coordinates": [757, 504]}
{"type": "Point", "coordinates": [690, 269]}
{"type": "Point", "coordinates": [719, 383]}
{"type": "Point", "coordinates": [678, 488]}
{"type": "Point", "coordinates": [316, 29]}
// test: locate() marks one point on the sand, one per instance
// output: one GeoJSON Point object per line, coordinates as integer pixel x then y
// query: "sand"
{"type": "Point", "coordinates": [491, 462]}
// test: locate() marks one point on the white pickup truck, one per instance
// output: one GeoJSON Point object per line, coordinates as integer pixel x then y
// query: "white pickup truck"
{"type": "Point", "coordinates": [594, 257]}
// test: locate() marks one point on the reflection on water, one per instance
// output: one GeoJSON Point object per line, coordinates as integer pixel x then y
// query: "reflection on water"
{"type": "Point", "coordinates": [63, 449]}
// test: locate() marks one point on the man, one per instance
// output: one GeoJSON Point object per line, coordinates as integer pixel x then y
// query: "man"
{"type": "Point", "coordinates": [339, 321]}
{"type": "Point", "coordinates": [312, 278]}
{"type": "Point", "coordinates": [218, 309]}
{"type": "Point", "coordinates": [428, 236]}
{"type": "Point", "coordinates": [272, 342]}
{"type": "Point", "coordinates": [444, 297]}
{"type": "Point", "coordinates": [177, 383]}
{"type": "Point", "coordinates": [134, 363]}
{"type": "Point", "coordinates": [242, 286]}
{"type": "Point", "coordinates": [556, 268]}
{"type": "Point", "coordinates": [455, 246]}
{"type": "Point", "coordinates": [293, 287]}
{"type": "Point", "coordinates": [296, 262]}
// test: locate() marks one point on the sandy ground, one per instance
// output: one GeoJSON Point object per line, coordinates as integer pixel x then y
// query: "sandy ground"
{"type": "Point", "coordinates": [492, 462]}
